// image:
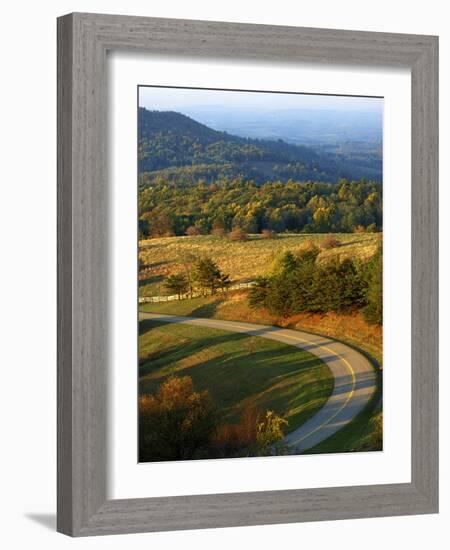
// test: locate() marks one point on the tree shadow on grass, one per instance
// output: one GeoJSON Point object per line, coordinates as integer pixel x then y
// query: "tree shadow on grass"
{"type": "Point", "coordinates": [180, 351]}
{"type": "Point", "coordinates": [351, 243]}
{"type": "Point", "coordinates": [206, 311]}
{"type": "Point", "coordinates": [231, 376]}
{"type": "Point", "coordinates": [152, 279]}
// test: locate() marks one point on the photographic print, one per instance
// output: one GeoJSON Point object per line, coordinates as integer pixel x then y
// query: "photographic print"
{"type": "Point", "coordinates": [260, 273]}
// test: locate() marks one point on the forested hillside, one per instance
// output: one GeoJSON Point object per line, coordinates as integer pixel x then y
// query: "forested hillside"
{"type": "Point", "coordinates": [178, 149]}
{"type": "Point", "coordinates": [168, 209]}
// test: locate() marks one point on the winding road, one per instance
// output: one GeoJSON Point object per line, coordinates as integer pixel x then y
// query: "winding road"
{"type": "Point", "coordinates": [354, 375]}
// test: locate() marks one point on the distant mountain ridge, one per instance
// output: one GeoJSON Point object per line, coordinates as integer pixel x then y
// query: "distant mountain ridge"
{"type": "Point", "coordinates": [319, 127]}
{"type": "Point", "coordinates": [174, 145]}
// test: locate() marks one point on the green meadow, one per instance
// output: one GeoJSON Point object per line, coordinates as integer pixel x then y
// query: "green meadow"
{"type": "Point", "coordinates": [237, 370]}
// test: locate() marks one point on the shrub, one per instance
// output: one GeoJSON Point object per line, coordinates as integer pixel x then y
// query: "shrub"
{"type": "Point", "coordinates": [237, 234]}
{"type": "Point", "coordinates": [269, 234]}
{"type": "Point", "coordinates": [269, 432]}
{"type": "Point", "coordinates": [359, 229]}
{"type": "Point", "coordinates": [193, 231]}
{"type": "Point", "coordinates": [176, 423]}
{"type": "Point", "coordinates": [371, 228]}
{"type": "Point", "coordinates": [256, 434]}
{"type": "Point", "coordinates": [218, 231]}
{"type": "Point", "coordinates": [330, 241]}
{"type": "Point", "coordinates": [308, 252]}
{"type": "Point", "coordinates": [308, 245]}
{"type": "Point", "coordinates": [232, 439]}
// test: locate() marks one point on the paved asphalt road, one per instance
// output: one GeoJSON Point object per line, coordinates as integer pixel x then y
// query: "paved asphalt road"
{"type": "Point", "coordinates": [354, 375]}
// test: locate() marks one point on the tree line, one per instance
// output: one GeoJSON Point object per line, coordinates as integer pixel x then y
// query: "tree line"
{"type": "Point", "coordinates": [167, 209]}
{"type": "Point", "coordinates": [301, 284]}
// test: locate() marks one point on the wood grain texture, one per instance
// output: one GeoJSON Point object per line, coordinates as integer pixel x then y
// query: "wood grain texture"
{"type": "Point", "coordinates": [425, 272]}
{"type": "Point", "coordinates": [64, 328]}
{"type": "Point", "coordinates": [83, 206]}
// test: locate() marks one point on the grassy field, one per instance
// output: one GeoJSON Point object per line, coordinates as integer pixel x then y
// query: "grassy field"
{"type": "Point", "coordinates": [350, 328]}
{"type": "Point", "coordinates": [236, 369]}
{"type": "Point", "coordinates": [242, 260]}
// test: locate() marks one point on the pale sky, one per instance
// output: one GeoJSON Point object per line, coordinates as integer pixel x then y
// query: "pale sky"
{"type": "Point", "coordinates": [177, 99]}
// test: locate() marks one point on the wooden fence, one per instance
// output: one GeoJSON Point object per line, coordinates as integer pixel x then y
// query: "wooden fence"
{"type": "Point", "coordinates": [195, 294]}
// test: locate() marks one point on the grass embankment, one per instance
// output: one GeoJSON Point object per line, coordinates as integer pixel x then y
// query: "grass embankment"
{"type": "Point", "coordinates": [363, 433]}
{"type": "Point", "coordinates": [236, 369]}
{"type": "Point", "coordinates": [349, 328]}
{"type": "Point", "coordinates": [242, 260]}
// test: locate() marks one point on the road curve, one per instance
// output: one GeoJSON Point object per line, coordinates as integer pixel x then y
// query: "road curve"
{"type": "Point", "coordinates": [354, 375]}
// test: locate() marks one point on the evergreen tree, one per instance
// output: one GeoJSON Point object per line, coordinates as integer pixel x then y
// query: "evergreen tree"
{"type": "Point", "coordinates": [337, 285]}
{"type": "Point", "coordinates": [259, 292]}
{"type": "Point", "coordinates": [208, 275]}
{"type": "Point", "coordinates": [302, 287]}
{"type": "Point", "coordinates": [224, 281]}
{"type": "Point", "coordinates": [279, 297]}
{"type": "Point", "coordinates": [288, 262]}
{"type": "Point", "coordinates": [307, 253]}
{"type": "Point", "coordinates": [373, 312]}
{"type": "Point", "coordinates": [177, 283]}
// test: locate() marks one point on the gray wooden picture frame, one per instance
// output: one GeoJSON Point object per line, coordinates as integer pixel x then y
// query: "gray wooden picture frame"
{"type": "Point", "coordinates": [83, 41]}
